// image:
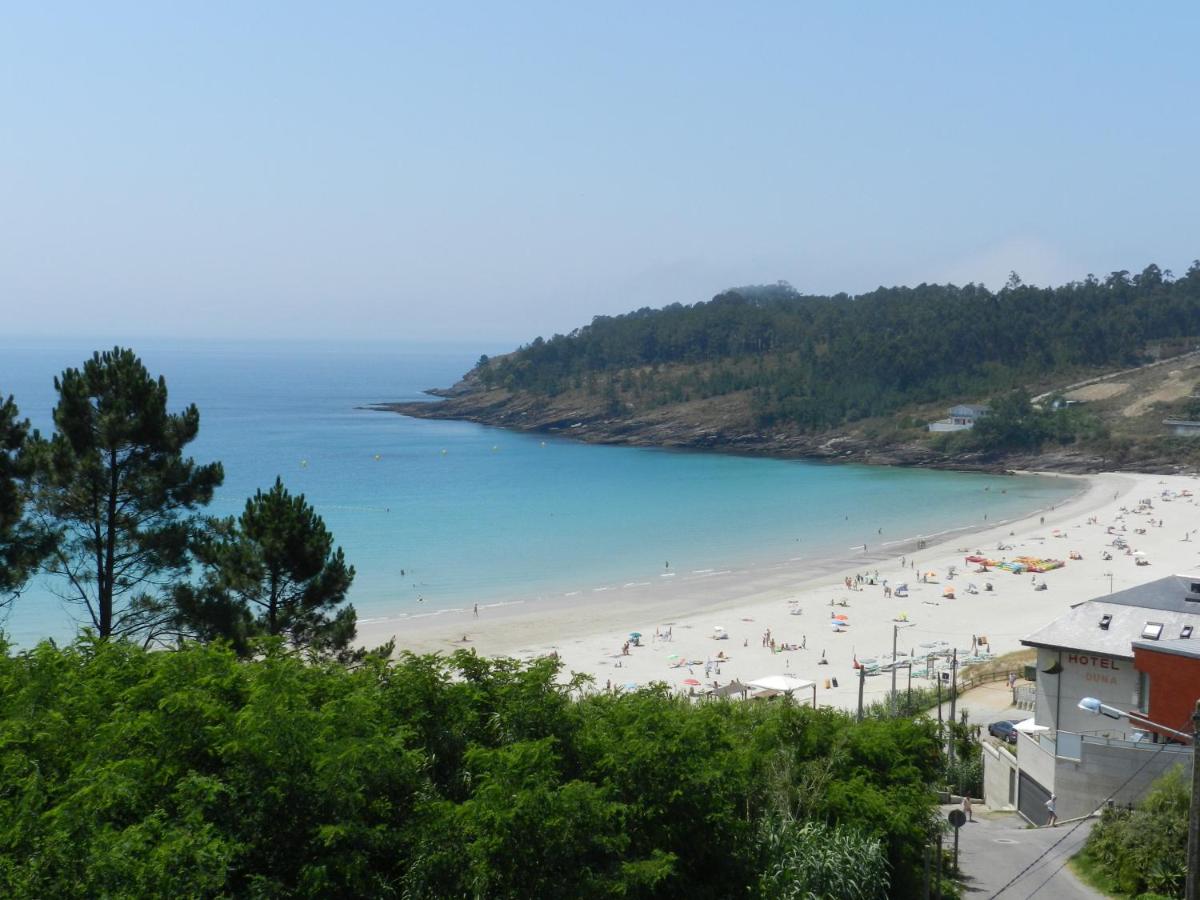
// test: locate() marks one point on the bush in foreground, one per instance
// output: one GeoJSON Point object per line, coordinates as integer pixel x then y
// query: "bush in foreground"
{"type": "Point", "coordinates": [195, 773]}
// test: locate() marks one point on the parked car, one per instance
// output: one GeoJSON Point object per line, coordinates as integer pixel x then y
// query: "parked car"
{"type": "Point", "coordinates": [1005, 729]}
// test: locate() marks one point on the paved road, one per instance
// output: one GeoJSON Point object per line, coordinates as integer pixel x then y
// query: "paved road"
{"type": "Point", "coordinates": [998, 845]}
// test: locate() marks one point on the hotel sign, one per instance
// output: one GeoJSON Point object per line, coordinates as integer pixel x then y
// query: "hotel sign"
{"type": "Point", "coordinates": [1101, 665]}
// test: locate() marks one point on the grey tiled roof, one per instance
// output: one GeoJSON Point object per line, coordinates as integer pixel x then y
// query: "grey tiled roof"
{"type": "Point", "coordinates": [1170, 593]}
{"type": "Point", "coordinates": [1177, 647]}
{"type": "Point", "coordinates": [1164, 600]}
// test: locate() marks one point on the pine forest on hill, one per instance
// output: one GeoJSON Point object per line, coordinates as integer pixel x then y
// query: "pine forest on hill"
{"type": "Point", "coordinates": [766, 368]}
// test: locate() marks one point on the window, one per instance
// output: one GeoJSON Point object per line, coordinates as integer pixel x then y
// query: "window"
{"type": "Point", "coordinates": [1185, 631]}
{"type": "Point", "coordinates": [1105, 621]}
{"type": "Point", "coordinates": [1195, 587]}
{"type": "Point", "coordinates": [1141, 699]}
{"type": "Point", "coordinates": [1152, 631]}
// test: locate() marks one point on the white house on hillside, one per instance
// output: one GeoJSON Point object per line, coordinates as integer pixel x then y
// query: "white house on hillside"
{"type": "Point", "coordinates": [962, 417]}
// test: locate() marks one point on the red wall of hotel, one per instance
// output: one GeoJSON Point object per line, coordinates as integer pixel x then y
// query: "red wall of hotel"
{"type": "Point", "coordinates": [1174, 686]}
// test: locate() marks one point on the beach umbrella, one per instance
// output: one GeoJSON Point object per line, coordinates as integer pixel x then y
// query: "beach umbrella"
{"type": "Point", "coordinates": [1139, 553]}
{"type": "Point", "coordinates": [631, 686]}
{"type": "Point", "coordinates": [673, 656]}
{"type": "Point", "coordinates": [692, 681]}
{"type": "Point", "coordinates": [842, 617]}
{"type": "Point", "coordinates": [635, 634]}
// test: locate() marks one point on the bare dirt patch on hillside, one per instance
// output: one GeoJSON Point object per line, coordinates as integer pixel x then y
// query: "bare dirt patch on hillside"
{"type": "Point", "coordinates": [1178, 384]}
{"type": "Point", "coordinates": [1102, 391]}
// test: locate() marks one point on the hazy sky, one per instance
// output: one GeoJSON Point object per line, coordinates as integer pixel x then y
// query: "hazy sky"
{"type": "Point", "coordinates": [451, 170]}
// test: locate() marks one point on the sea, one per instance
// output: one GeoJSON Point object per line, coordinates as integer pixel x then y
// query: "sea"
{"type": "Point", "coordinates": [440, 515]}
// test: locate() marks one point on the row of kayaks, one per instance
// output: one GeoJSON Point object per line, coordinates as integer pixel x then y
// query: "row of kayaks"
{"type": "Point", "coordinates": [1019, 565]}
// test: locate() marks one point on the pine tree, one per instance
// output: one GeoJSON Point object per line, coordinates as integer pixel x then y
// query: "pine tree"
{"type": "Point", "coordinates": [275, 572]}
{"type": "Point", "coordinates": [22, 544]}
{"type": "Point", "coordinates": [125, 500]}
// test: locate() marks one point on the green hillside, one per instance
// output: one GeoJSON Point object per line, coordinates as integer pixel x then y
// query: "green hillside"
{"type": "Point", "coordinates": [811, 363]}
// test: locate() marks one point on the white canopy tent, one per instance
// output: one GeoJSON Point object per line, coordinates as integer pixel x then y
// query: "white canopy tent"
{"type": "Point", "coordinates": [784, 684]}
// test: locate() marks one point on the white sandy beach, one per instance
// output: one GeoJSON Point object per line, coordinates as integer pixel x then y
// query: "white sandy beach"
{"type": "Point", "coordinates": [588, 633]}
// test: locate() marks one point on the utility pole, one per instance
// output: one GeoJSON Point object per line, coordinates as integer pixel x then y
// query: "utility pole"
{"type": "Point", "coordinates": [862, 680]}
{"type": "Point", "coordinates": [937, 890]}
{"type": "Point", "coordinates": [953, 698]}
{"type": "Point", "coordinates": [892, 699]}
{"type": "Point", "coordinates": [1192, 887]}
{"type": "Point", "coordinates": [953, 682]}
{"type": "Point", "coordinates": [909, 704]}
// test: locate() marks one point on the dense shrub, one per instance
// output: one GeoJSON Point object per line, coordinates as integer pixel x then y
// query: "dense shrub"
{"type": "Point", "coordinates": [127, 773]}
{"type": "Point", "coordinates": [1144, 850]}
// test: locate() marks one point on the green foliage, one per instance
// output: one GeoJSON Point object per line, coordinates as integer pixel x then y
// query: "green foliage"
{"type": "Point", "coordinates": [813, 861]}
{"type": "Point", "coordinates": [1016, 424]}
{"type": "Point", "coordinates": [813, 362]}
{"type": "Point", "coordinates": [275, 573]}
{"type": "Point", "coordinates": [114, 481]}
{"type": "Point", "coordinates": [1145, 849]}
{"type": "Point", "coordinates": [198, 773]}
{"type": "Point", "coordinates": [22, 544]}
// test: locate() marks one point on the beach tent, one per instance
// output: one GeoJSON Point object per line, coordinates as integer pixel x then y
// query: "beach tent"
{"type": "Point", "coordinates": [733, 689]}
{"type": "Point", "coordinates": [784, 684]}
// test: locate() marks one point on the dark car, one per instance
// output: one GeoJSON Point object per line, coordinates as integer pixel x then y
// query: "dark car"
{"type": "Point", "coordinates": [1005, 729]}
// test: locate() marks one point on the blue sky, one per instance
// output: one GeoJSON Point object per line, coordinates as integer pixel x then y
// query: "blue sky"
{"type": "Point", "coordinates": [459, 170]}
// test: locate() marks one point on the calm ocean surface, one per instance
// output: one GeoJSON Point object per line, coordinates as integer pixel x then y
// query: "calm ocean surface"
{"type": "Point", "coordinates": [435, 515]}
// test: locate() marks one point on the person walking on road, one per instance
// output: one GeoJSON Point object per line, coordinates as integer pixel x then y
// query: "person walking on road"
{"type": "Point", "coordinates": [1053, 820]}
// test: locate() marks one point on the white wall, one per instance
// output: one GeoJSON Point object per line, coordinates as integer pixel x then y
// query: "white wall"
{"type": "Point", "coordinates": [1102, 770]}
{"type": "Point", "coordinates": [1111, 679]}
{"type": "Point", "coordinates": [997, 764]}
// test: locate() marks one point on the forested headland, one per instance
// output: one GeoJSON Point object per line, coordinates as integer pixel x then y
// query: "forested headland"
{"type": "Point", "coordinates": [768, 368]}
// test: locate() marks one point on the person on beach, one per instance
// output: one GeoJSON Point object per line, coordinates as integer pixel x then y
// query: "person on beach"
{"type": "Point", "coordinates": [804, 642]}
{"type": "Point", "coordinates": [1053, 820]}
{"type": "Point", "coordinates": [475, 611]}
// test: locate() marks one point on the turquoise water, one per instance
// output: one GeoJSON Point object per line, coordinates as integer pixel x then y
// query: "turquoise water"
{"type": "Point", "coordinates": [437, 515]}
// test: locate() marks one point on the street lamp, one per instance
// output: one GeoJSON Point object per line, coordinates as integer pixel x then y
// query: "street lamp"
{"type": "Point", "coordinates": [1095, 707]}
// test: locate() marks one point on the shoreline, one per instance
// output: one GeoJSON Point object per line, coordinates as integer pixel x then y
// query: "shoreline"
{"type": "Point", "coordinates": [682, 593]}
{"type": "Point", "coordinates": [745, 602]}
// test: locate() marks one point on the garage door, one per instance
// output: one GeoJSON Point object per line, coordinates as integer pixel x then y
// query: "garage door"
{"type": "Point", "coordinates": [1031, 800]}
